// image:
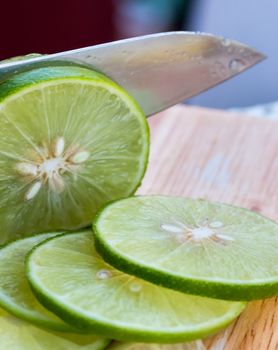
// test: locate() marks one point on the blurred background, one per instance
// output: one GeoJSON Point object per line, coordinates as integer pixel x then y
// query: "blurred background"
{"type": "Point", "coordinates": [52, 26]}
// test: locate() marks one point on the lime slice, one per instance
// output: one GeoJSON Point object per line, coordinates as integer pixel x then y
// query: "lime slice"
{"type": "Point", "coordinates": [194, 246]}
{"type": "Point", "coordinates": [70, 278]}
{"type": "Point", "coordinates": [194, 345]}
{"type": "Point", "coordinates": [16, 334]}
{"type": "Point", "coordinates": [70, 140]}
{"type": "Point", "coordinates": [16, 296]}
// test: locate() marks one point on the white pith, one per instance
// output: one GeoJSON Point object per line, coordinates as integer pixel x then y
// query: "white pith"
{"type": "Point", "coordinates": [48, 165]}
{"type": "Point", "coordinates": [199, 233]}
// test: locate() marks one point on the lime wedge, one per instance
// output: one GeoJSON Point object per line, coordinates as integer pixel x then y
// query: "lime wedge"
{"type": "Point", "coordinates": [194, 246]}
{"type": "Point", "coordinates": [16, 296]}
{"type": "Point", "coordinates": [70, 140]}
{"type": "Point", "coordinates": [16, 334]}
{"type": "Point", "coordinates": [70, 279]}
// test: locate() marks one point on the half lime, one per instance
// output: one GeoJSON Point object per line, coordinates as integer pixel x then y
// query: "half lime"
{"type": "Point", "coordinates": [70, 140]}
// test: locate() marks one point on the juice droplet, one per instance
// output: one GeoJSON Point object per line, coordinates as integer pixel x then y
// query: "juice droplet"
{"type": "Point", "coordinates": [226, 42]}
{"type": "Point", "coordinates": [103, 274]}
{"type": "Point", "coordinates": [135, 287]}
{"type": "Point", "coordinates": [236, 65]}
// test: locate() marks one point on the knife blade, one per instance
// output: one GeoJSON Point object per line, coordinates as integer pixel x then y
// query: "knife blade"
{"type": "Point", "coordinates": [158, 70]}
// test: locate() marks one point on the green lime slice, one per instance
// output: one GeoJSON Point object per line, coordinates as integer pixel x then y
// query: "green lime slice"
{"type": "Point", "coordinates": [16, 334]}
{"type": "Point", "coordinates": [194, 345]}
{"type": "Point", "coordinates": [16, 296]}
{"type": "Point", "coordinates": [70, 278]}
{"type": "Point", "coordinates": [193, 246]}
{"type": "Point", "coordinates": [70, 140]}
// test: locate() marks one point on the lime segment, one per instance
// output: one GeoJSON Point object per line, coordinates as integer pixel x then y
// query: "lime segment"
{"type": "Point", "coordinates": [70, 140]}
{"type": "Point", "coordinates": [16, 334]}
{"type": "Point", "coordinates": [194, 246]}
{"type": "Point", "coordinates": [72, 280]}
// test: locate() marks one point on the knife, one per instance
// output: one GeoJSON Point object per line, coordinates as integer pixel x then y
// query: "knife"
{"type": "Point", "coordinates": [158, 70]}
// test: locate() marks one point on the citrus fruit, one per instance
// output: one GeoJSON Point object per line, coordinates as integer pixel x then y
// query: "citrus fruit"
{"type": "Point", "coordinates": [16, 296]}
{"type": "Point", "coordinates": [191, 245]}
{"type": "Point", "coordinates": [71, 140]}
{"type": "Point", "coordinates": [70, 279]}
{"type": "Point", "coordinates": [194, 345]}
{"type": "Point", "coordinates": [16, 334]}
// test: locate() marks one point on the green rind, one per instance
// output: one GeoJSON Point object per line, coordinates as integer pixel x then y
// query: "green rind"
{"type": "Point", "coordinates": [45, 74]}
{"type": "Point", "coordinates": [36, 65]}
{"type": "Point", "coordinates": [118, 332]}
{"type": "Point", "coordinates": [40, 322]}
{"type": "Point", "coordinates": [209, 288]}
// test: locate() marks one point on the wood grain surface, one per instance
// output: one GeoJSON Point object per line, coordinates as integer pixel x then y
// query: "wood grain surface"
{"type": "Point", "coordinates": [229, 158]}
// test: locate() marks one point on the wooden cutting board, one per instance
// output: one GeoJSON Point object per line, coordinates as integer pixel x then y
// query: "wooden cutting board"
{"type": "Point", "coordinates": [225, 157]}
